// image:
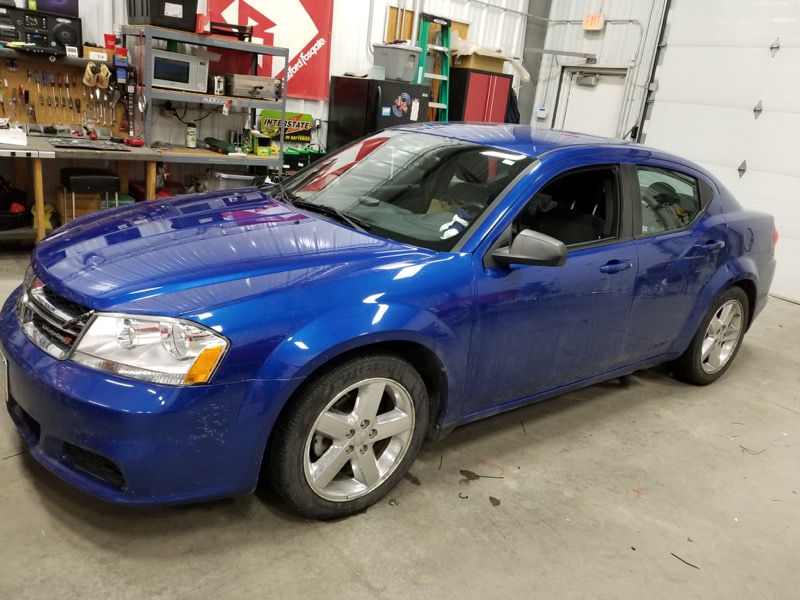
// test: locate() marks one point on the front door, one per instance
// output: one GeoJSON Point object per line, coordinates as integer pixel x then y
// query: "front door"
{"type": "Point", "coordinates": [540, 328]}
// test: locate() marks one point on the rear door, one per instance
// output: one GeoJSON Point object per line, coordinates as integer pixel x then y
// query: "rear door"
{"type": "Point", "coordinates": [681, 239]}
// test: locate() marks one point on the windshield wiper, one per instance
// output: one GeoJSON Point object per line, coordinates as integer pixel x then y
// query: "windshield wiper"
{"type": "Point", "coordinates": [277, 191]}
{"type": "Point", "coordinates": [337, 214]}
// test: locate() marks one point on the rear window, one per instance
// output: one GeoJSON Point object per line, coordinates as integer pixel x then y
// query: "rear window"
{"type": "Point", "coordinates": [670, 199]}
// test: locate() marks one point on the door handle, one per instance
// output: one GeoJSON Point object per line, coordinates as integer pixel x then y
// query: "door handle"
{"type": "Point", "coordinates": [713, 246]}
{"type": "Point", "coordinates": [615, 266]}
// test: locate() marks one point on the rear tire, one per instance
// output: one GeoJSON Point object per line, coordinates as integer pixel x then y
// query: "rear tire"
{"type": "Point", "coordinates": [717, 340]}
{"type": "Point", "coordinates": [349, 437]}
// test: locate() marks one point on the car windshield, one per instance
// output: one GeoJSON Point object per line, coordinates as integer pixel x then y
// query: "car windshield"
{"type": "Point", "coordinates": [413, 188]}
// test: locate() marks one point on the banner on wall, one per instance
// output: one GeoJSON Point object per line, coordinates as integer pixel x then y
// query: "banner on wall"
{"type": "Point", "coordinates": [302, 26]}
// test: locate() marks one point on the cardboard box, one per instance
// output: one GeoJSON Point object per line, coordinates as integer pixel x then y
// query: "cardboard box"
{"type": "Point", "coordinates": [481, 62]}
{"type": "Point", "coordinates": [101, 54]}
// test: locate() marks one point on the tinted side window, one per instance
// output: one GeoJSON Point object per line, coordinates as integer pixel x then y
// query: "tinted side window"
{"type": "Point", "coordinates": [670, 200]}
{"type": "Point", "coordinates": [577, 208]}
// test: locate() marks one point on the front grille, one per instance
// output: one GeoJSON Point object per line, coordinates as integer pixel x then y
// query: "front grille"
{"type": "Point", "coordinates": [50, 321]}
{"type": "Point", "coordinates": [94, 465]}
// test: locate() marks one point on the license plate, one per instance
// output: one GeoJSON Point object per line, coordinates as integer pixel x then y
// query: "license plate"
{"type": "Point", "coordinates": [3, 377]}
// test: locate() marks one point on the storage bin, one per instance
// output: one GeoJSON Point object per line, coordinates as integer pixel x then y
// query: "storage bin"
{"type": "Point", "coordinates": [398, 62]}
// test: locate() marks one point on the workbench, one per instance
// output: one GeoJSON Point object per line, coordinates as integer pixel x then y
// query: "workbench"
{"type": "Point", "coordinates": [39, 149]}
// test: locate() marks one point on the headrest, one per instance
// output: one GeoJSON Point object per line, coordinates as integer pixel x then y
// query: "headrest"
{"type": "Point", "coordinates": [472, 168]}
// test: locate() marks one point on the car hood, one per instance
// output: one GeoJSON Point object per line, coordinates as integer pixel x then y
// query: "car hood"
{"type": "Point", "coordinates": [152, 249]}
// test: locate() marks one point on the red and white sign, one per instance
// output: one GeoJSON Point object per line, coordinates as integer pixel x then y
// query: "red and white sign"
{"type": "Point", "coordinates": [594, 22]}
{"type": "Point", "coordinates": [302, 26]}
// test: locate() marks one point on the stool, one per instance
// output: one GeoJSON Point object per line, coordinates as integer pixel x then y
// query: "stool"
{"type": "Point", "coordinates": [89, 181]}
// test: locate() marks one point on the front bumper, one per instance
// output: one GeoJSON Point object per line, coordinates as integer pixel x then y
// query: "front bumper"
{"type": "Point", "coordinates": [135, 442]}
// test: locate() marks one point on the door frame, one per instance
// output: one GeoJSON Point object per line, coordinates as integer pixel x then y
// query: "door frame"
{"type": "Point", "coordinates": [565, 84]}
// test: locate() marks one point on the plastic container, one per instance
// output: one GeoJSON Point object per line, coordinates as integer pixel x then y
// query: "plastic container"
{"type": "Point", "coordinates": [191, 135]}
{"type": "Point", "coordinates": [399, 62]}
{"type": "Point", "coordinates": [220, 180]}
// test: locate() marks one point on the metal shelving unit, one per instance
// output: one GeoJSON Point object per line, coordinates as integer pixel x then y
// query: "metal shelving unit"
{"type": "Point", "coordinates": [147, 33]}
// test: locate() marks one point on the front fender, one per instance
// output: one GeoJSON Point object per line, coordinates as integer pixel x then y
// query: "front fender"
{"type": "Point", "coordinates": [337, 332]}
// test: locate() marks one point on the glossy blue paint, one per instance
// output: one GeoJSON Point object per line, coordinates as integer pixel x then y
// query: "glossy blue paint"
{"type": "Point", "coordinates": [292, 290]}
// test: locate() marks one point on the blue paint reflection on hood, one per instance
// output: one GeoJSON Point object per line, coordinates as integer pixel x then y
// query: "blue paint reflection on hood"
{"type": "Point", "coordinates": [159, 247]}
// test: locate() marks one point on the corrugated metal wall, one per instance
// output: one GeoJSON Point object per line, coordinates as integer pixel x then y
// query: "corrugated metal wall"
{"type": "Point", "coordinates": [628, 42]}
{"type": "Point", "coordinates": [98, 18]}
{"type": "Point", "coordinates": [490, 26]}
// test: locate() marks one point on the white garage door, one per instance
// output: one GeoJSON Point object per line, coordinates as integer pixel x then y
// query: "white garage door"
{"type": "Point", "coordinates": [717, 67]}
{"type": "Point", "coordinates": [594, 103]}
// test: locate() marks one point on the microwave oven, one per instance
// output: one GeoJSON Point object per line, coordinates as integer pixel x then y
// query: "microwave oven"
{"type": "Point", "coordinates": [179, 71]}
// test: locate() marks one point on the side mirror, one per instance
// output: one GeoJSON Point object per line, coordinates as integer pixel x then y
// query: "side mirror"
{"type": "Point", "coordinates": [532, 248]}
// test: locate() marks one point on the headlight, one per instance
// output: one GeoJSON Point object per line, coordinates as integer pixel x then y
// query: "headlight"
{"type": "Point", "coordinates": [161, 350]}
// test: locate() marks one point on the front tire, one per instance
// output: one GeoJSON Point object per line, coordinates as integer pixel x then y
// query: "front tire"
{"type": "Point", "coordinates": [349, 437]}
{"type": "Point", "coordinates": [717, 340]}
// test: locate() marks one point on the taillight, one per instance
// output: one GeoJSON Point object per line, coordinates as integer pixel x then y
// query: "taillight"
{"type": "Point", "coordinates": [774, 239]}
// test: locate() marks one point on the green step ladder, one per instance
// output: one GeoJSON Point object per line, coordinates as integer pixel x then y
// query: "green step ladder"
{"type": "Point", "coordinates": [425, 20]}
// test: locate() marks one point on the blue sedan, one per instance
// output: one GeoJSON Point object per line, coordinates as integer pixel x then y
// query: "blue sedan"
{"type": "Point", "coordinates": [316, 331]}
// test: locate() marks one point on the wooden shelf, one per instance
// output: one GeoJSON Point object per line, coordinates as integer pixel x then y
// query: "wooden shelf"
{"type": "Point", "coordinates": [20, 234]}
{"type": "Point", "coordinates": [181, 154]}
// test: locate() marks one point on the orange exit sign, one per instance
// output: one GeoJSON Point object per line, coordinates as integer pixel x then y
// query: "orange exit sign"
{"type": "Point", "coordinates": [594, 22]}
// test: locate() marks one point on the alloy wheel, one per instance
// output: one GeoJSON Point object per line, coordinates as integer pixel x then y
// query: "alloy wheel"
{"type": "Point", "coordinates": [360, 438]}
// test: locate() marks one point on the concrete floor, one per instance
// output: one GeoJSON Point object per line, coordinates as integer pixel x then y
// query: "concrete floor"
{"type": "Point", "coordinates": [602, 493]}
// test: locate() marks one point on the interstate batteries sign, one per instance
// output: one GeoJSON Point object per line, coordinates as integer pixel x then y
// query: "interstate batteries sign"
{"type": "Point", "coordinates": [297, 129]}
{"type": "Point", "coordinates": [302, 26]}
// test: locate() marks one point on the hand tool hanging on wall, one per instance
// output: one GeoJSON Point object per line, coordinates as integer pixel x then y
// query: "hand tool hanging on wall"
{"type": "Point", "coordinates": [44, 84]}
{"type": "Point", "coordinates": [60, 81]}
{"type": "Point", "coordinates": [69, 94]}
{"type": "Point", "coordinates": [53, 87]}
{"type": "Point", "coordinates": [38, 89]}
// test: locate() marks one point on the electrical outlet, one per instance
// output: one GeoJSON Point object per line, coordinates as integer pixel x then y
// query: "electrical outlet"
{"type": "Point", "coordinates": [317, 124]}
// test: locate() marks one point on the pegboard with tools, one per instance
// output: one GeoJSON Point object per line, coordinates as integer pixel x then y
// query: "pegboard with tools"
{"type": "Point", "coordinates": [48, 93]}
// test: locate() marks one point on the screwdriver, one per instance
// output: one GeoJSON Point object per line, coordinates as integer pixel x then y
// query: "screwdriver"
{"type": "Point", "coordinates": [60, 81]}
{"type": "Point", "coordinates": [38, 89]}
{"type": "Point", "coordinates": [53, 87]}
{"type": "Point", "coordinates": [44, 83]}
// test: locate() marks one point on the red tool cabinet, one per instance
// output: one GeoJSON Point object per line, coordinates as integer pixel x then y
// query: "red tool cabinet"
{"type": "Point", "coordinates": [478, 95]}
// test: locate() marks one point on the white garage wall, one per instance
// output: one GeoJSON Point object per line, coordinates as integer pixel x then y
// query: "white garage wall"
{"type": "Point", "coordinates": [492, 27]}
{"type": "Point", "coordinates": [628, 43]}
{"type": "Point", "coordinates": [716, 68]}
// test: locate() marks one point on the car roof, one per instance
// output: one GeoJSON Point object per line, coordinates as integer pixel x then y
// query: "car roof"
{"type": "Point", "coordinates": [531, 141]}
